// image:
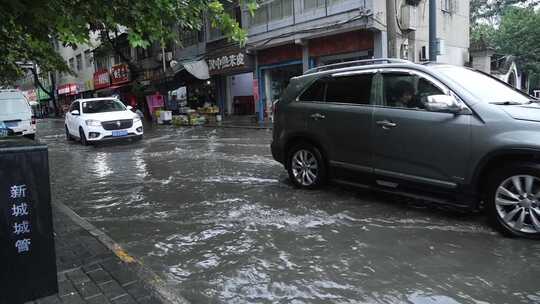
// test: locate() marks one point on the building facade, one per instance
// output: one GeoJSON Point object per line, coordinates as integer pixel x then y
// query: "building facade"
{"type": "Point", "coordinates": [285, 38]}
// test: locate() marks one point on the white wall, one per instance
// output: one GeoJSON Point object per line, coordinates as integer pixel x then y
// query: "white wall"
{"type": "Point", "coordinates": [452, 27]}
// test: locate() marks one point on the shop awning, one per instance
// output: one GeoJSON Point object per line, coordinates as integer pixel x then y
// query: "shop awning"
{"type": "Point", "coordinates": [197, 68]}
{"type": "Point", "coordinates": [112, 87]}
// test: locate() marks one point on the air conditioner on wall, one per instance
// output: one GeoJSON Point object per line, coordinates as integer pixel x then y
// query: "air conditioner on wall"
{"type": "Point", "coordinates": [409, 18]}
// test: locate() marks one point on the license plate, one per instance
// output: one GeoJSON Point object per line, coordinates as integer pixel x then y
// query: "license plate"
{"type": "Point", "coordinates": [11, 124]}
{"type": "Point", "coordinates": [119, 133]}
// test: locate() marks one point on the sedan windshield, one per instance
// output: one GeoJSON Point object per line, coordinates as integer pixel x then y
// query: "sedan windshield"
{"type": "Point", "coordinates": [484, 87]}
{"type": "Point", "coordinates": [102, 105]}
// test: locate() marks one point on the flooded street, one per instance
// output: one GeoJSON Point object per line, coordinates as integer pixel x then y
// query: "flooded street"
{"type": "Point", "coordinates": [211, 211]}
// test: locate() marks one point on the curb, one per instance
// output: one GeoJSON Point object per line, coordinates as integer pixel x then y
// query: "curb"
{"type": "Point", "coordinates": [147, 276]}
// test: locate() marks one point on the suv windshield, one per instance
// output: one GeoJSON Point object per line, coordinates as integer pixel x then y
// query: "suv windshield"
{"type": "Point", "coordinates": [100, 106]}
{"type": "Point", "coordinates": [484, 87]}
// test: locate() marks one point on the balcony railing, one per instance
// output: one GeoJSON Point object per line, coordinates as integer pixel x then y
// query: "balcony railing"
{"type": "Point", "coordinates": [275, 14]}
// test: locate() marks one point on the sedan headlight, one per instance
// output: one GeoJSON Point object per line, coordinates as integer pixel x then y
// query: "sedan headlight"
{"type": "Point", "coordinates": [93, 123]}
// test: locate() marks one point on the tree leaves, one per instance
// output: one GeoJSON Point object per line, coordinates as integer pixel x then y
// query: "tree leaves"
{"type": "Point", "coordinates": [29, 29]}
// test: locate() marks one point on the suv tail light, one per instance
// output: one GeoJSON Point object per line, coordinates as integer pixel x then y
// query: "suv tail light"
{"type": "Point", "coordinates": [33, 120]}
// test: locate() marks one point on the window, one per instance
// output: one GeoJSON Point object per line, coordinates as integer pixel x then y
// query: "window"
{"type": "Point", "coordinates": [79, 62]}
{"type": "Point", "coordinates": [189, 37]}
{"type": "Point", "coordinates": [280, 9]}
{"type": "Point", "coordinates": [448, 6]}
{"type": "Point", "coordinates": [117, 59]}
{"type": "Point", "coordinates": [349, 89]}
{"type": "Point", "coordinates": [89, 60]}
{"type": "Point", "coordinates": [403, 90]}
{"type": "Point", "coordinates": [102, 106]}
{"type": "Point", "coordinates": [143, 53]}
{"type": "Point", "coordinates": [484, 87]}
{"type": "Point", "coordinates": [354, 89]}
{"type": "Point", "coordinates": [74, 106]}
{"type": "Point", "coordinates": [313, 4]}
{"type": "Point", "coordinates": [315, 92]}
{"type": "Point", "coordinates": [260, 16]}
{"type": "Point", "coordinates": [102, 63]}
{"type": "Point", "coordinates": [72, 64]}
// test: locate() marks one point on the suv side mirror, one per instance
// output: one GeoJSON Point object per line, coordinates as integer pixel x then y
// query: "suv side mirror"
{"type": "Point", "coordinates": [75, 112]}
{"type": "Point", "coordinates": [444, 103]}
{"type": "Point", "coordinates": [129, 108]}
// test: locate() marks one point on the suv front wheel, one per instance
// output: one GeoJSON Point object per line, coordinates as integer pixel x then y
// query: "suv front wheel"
{"type": "Point", "coordinates": [306, 166]}
{"type": "Point", "coordinates": [514, 200]}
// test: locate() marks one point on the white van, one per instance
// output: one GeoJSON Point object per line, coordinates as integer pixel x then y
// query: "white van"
{"type": "Point", "coordinates": [16, 113]}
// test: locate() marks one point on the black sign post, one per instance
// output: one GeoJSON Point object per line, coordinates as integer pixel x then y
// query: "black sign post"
{"type": "Point", "coordinates": [27, 256]}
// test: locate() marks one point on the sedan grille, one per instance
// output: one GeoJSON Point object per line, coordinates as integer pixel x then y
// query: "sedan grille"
{"type": "Point", "coordinates": [117, 124]}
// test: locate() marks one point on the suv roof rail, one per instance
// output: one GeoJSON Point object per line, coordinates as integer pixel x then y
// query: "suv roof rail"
{"type": "Point", "coordinates": [355, 63]}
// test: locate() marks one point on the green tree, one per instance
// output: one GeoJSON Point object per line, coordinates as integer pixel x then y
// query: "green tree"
{"type": "Point", "coordinates": [29, 29]}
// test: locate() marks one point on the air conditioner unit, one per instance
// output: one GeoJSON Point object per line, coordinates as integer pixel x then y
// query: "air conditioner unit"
{"type": "Point", "coordinates": [409, 18]}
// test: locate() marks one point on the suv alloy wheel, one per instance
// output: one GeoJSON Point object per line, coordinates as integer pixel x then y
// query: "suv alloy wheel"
{"type": "Point", "coordinates": [306, 166]}
{"type": "Point", "coordinates": [514, 200]}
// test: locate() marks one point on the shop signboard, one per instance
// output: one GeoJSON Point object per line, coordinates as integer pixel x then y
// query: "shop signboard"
{"type": "Point", "coordinates": [101, 79]}
{"type": "Point", "coordinates": [230, 62]}
{"type": "Point", "coordinates": [119, 74]}
{"type": "Point", "coordinates": [42, 95]}
{"type": "Point", "coordinates": [67, 89]}
{"type": "Point", "coordinates": [31, 95]}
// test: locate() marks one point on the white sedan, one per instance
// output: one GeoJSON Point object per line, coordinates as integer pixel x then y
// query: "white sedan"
{"type": "Point", "coordinates": [101, 119]}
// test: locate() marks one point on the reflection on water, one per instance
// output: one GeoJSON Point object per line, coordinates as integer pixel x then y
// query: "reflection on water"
{"type": "Point", "coordinates": [211, 211]}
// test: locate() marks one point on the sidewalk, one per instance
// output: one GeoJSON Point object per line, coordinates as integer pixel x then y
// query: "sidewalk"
{"type": "Point", "coordinates": [93, 269]}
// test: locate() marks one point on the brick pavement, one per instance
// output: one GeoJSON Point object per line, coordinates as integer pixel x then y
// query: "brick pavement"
{"type": "Point", "coordinates": [89, 272]}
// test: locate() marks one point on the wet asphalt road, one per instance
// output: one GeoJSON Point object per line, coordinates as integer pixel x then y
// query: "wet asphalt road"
{"type": "Point", "coordinates": [210, 211]}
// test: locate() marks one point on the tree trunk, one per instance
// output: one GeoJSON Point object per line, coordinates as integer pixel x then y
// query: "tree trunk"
{"type": "Point", "coordinates": [38, 83]}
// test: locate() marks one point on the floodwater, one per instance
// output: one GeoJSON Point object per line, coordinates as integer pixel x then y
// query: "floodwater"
{"type": "Point", "coordinates": [212, 213]}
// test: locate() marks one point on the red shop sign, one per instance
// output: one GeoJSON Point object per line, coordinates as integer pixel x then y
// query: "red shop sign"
{"type": "Point", "coordinates": [119, 74]}
{"type": "Point", "coordinates": [67, 89]}
{"type": "Point", "coordinates": [101, 79]}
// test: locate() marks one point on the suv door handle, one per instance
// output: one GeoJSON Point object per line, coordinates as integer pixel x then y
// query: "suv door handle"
{"type": "Point", "coordinates": [317, 116]}
{"type": "Point", "coordinates": [386, 124]}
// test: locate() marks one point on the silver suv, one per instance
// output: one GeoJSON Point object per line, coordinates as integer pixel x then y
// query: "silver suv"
{"type": "Point", "coordinates": [444, 133]}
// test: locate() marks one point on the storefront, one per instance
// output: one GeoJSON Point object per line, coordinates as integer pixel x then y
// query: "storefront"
{"type": "Point", "coordinates": [67, 93]}
{"type": "Point", "coordinates": [116, 83]}
{"type": "Point", "coordinates": [231, 69]}
{"type": "Point", "coordinates": [276, 66]}
{"type": "Point", "coordinates": [342, 47]}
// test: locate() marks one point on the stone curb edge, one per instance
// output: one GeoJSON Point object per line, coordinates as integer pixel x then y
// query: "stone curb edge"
{"type": "Point", "coordinates": [147, 276]}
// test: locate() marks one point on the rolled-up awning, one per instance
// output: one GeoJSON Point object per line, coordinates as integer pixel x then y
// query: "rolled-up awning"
{"type": "Point", "coordinates": [197, 68]}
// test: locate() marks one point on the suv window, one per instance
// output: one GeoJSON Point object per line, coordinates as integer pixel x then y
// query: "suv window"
{"type": "Point", "coordinates": [354, 89]}
{"type": "Point", "coordinates": [403, 90]}
{"type": "Point", "coordinates": [315, 92]}
{"type": "Point", "coordinates": [349, 89]}
{"type": "Point", "coordinates": [74, 106]}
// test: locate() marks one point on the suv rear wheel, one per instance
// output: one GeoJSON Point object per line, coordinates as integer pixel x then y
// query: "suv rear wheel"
{"type": "Point", "coordinates": [514, 200]}
{"type": "Point", "coordinates": [306, 166]}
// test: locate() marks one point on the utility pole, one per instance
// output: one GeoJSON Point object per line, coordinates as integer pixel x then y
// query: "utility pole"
{"type": "Point", "coordinates": [433, 30]}
{"type": "Point", "coordinates": [391, 28]}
